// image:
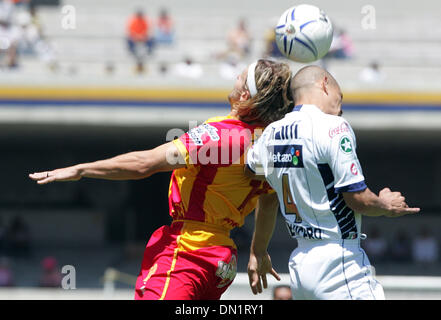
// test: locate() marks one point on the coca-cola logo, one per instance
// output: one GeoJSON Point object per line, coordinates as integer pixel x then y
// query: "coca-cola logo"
{"type": "Point", "coordinates": [337, 130]}
{"type": "Point", "coordinates": [354, 169]}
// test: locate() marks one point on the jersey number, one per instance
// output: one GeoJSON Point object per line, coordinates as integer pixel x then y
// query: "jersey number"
{"type": "Point", "coordinates": [288, 200]}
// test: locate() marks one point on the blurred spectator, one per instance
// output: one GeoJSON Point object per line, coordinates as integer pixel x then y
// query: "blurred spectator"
{"type": "Point", "coordinates": [29, 39]}
{"type": "Point", "coordinates": [189, 69]}
{"type": "Point", "coordinates": [30, 33]}
{"type": "Point", "coordinates": [282, 292]}
{"type": "Point", "coordinates": [239, 40]}
{"type": "Point", "coordinates": [46, 51]}
{"type": "Point", "coordinates": [375, 246]}
{"type": "Point", "coordinates": [163, 68]}
{"type": "Point", "coordinates": [18, 238]}
{"type": "Point", "coordinates": [109, 68]}
{"type": "Point", "coordinates": [6, 276]}
{"type": "Point", "coordinates": [139, 33]}
{"type": "Point", "coordinates": [164, 31]}
{"type": "Point", "coordinates": [400, 248]}
{"type": "Point", "coordinates": [372, 74]}
{"type": "Point", "coordinates": [35, 19]}
{"type": "Point", "coordinates": [51, 276]}
{"type": "Point", "coordinates": [6, 10]}
{"type": "Point", "coordinates": [139, 38]}
{"type": "Point", "coordinates": [341, 46]}
{"type": "Point", "coordinates": [238, 43]}
{"type": "Point", "coordinates": [425, 247]}
{"type": "Point", "coordinates": [271, 49]}
{"type": "Point", "coordinates": [10, 36]}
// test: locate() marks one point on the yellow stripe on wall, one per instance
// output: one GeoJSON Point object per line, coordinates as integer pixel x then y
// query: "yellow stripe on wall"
{"type": "Point", "coordinates": [113, 94]}
{"type": "Point", "coordinates": [393, 97]}
{"type": "Point", "coordinates": [182, 95]}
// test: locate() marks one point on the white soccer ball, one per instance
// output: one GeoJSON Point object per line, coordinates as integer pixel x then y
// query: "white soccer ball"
{"type": "Point", "coordinates": [304, 33]}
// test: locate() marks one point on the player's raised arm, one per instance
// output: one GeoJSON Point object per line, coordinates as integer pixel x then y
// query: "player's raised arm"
{"type": "Point", "coordinates": [260, 262]}
{"type": "Point", "coordinates": [128, 166]}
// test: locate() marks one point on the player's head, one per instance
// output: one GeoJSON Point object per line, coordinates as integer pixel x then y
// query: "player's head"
{"type": "Point", "coordinates": [282, 292]}
{"type": "Point", "coordinates": [315, 85]}
{"type": "Point", "coordinates": [261, 94]}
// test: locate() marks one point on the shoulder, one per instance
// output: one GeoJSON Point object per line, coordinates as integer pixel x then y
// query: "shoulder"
{"type": "Point", "coordinates": [333, 126]}
{"type": "Point", "coordinates": [217, 119]}
{"type": "Point", "coordinates": [227, 122]}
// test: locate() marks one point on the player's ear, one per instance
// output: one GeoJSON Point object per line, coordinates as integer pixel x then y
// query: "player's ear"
{"type": "Point", "coordinates": [245, 95]}
{"type": "Point", "coordinates": [325, 85]}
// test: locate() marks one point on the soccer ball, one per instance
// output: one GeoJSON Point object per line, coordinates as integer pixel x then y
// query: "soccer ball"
{"type": "Point", "coordinates": [304, 33]}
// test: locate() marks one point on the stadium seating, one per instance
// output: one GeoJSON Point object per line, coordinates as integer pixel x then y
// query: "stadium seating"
{"type": "Point", "coordinates": [398, 43]}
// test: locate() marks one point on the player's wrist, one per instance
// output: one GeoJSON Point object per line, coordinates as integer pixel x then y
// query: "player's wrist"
{"type": "Point", "coordinates": [258, 251]}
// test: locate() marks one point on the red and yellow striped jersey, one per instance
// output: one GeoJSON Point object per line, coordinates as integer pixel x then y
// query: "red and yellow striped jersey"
{"type": "Point", "coordinates": [211, 194]}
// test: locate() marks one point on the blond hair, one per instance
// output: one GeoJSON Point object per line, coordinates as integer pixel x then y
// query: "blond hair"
{"type": "Point", "coordinates": [273, 98]}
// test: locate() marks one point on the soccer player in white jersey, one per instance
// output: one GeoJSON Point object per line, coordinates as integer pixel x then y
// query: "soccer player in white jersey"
{"type": "Point", "coordinates": [309, 158]}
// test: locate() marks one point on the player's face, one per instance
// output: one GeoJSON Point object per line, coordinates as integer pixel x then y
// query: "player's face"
{"type": "Point", "coordinates": [335, 100]}
{"type": "Point", "coordinates": [237, 94]}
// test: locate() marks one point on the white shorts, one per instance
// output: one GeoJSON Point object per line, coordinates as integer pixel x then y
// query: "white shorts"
{"type": "Point", "coordinates": [332, 270]}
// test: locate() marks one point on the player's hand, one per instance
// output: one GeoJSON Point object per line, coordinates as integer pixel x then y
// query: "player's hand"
{"type": "Point", "coordinates": [258, 267]}
{"type": "Point", "coordinates": [397, 203]}
{"type": "Point", "coordinates": [64, 174]}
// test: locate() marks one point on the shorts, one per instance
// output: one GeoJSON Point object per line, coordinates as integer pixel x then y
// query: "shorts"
{"type": "Point", "coordinates": [332, 270]}
{"type": "Point", "coordinates": [170, 272]}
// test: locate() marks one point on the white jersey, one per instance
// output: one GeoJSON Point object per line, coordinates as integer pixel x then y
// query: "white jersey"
{"type": "Point", "coordinates": [309, 159]}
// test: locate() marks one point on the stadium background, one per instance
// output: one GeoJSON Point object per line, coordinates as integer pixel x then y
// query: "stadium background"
{"type": "Point", "coordinates": [86, 103]}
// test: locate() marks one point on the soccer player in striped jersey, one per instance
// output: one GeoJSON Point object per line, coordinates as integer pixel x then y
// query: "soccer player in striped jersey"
{"type": "Point", "coordinates": [309, 159]}
{"type": "Point", "coordinates": [209, 194]}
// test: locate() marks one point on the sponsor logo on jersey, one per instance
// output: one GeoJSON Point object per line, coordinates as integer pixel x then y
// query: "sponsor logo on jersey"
{"type": "Point", "coordinates": [226, 271]}
{"type": "Point", "coordinates": [345, 145]}
{"type": "Point", "coordinates": [354, 169]}
{"type": "Point", "coordinates": [344, 127]}
{"type": "Point", "coordinates": [287, 156]}
{"type": "Point", "coordinates": [352, 235]}
{"type": "Point", "coordinates": [196, 134]}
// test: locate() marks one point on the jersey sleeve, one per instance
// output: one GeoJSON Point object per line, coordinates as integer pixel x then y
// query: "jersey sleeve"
{"type": "Point", "coordinates": [343, 160]}
{"type": "Point", "coordinates": [199, 146]}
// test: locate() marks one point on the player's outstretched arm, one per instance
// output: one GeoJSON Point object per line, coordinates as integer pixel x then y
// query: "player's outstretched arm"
{"type": "Point", "coordinates": [260, 262]}
{"type": "Point", "coordinates": [128, 166]}
{"type": "Point", "coordinates": [387, 203]}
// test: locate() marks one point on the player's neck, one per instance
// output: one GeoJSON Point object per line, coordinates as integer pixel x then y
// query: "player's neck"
{"type": "Point", "coordinates": [233, 114]}
{"type": "Point", "coordinates": [316, 102]}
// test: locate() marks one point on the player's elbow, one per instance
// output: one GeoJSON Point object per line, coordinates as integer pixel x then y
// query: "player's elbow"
{"type": "Point", "coordinates": [362, 202]}
{"type": "Point", "coordinates": [356, 206]}
{"type": "Point", "coordinates": [356, 201]}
